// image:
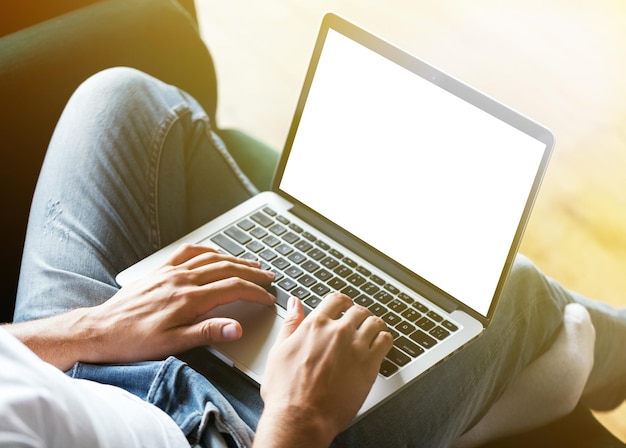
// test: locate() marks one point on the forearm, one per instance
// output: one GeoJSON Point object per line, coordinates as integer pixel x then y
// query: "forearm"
{"type": "Point", "coordinates": [60, 340]}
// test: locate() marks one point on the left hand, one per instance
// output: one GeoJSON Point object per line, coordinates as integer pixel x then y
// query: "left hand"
{"type": "Point", "coordinates": [164, 313]}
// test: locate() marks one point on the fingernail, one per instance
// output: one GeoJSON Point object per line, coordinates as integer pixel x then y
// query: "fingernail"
{"type": "Point", "coordinates": [229, 332]}
{"type": "Point", "coordinates": [291, 303]}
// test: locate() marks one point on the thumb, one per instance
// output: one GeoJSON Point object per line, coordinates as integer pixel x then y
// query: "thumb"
{"type": "Point", "coordinates": [295, 316]}
{"type": "Point", "coordinates": [216, 329]}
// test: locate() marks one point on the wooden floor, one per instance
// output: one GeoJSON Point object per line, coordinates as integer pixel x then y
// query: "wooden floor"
{"type": "Point", "coordinates": [560, 62]}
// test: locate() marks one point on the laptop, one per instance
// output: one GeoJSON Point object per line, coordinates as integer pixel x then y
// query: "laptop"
{"type": "Point", "coordinates": [399, 185]}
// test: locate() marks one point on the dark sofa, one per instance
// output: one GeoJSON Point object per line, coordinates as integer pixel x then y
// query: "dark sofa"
{"type": "Point", "coordinates": [48, 49]}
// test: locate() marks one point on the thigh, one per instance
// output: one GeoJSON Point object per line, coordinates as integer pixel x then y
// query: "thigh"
{"type": "Point", "coordinates": [133, 164]}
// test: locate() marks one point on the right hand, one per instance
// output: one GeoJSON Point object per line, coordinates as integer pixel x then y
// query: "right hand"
{"type": "Point", "coordinates": [320, 371]}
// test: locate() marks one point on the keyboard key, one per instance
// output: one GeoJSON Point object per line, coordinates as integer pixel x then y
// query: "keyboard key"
{"type": "Point", "coordinates": [377, 309]}
{"type": "Point", "coordinates": [277, 229]}
{"type": "Point", "coordinates": [406, 328]}
{"type": "Point", "coordinates": [313, 301]}
{"type": "Point", "coordinates": [297, 257]}
{"type": "Point", "coordinates": [363, 271]}
{"type": "Point", "coordinates": [269, 211]}
{"type": "Point", "coordinates": [228, 245]}
{"type": "Point", "coordinates": [290, 237]}
{"type": "Point", "coordinates": [391, 319]}
{"type": "Point", "coordinates": [330, 263]}
{"type": "Point", "coordinates": [336, 283]}
{"type": "Point", "coordinates": [383, 297]}
{"type": "Point", "coordinates": [398, 357]}
{"type": "Point", "coordinates": [323, 275]}
{"type": "Point", "coordinates": [295, 227]}
{"type": "Point", "coordinates": [335, 253]}
{"type": "Point", "coordinates": [411, 315]}
{"type": "Point", "coordinates": [376, 279]}
{"type": "Point", "coordinates": [283, 249]}
{"type": "Point", "coordinates": [258, 233]}
{"type": "Point", "coordinates": [406, 298]}
{"type": "Point", "coordinates": [356, 279]}
{"type": "Point", "coordinates": [392, 289]}
{"type": "Point", "coordinates": [238, 235]}
{"type": "Point", "coordinates": [350, 291]}
{"type": "Point", "coordinates": [267, 254]}
{"type": "Point", "coordinates": [408, 347]}
{"type": "Point", "coordinates": [322, 244]}
{"type": "Point", "coordinates": [255, 246]}
{"type": "Point", "coordinates": [363, 300]}
{"type": "Point", "coordinates": [282, 297]}
{"type": "Point", "coordinates": [343, 271]}
{"type": "Point", "coordinates": [293, 271]}
{"type": "Point", "coordinates": [449, 325]}
{"type": "Point", "coordinates": [423, 339]}
{"type": "Point", "coordinates": [262, 219]}
{"type": "Point", "coordinates": [310, 266]}
{"type": "Point", "coordinates": [300, 293]}
{"type": "Point", "coordinates": [304, 246]}
{"type": "Point", "coordinates": [370, 288]}
{"type": "Point", "coordinates": [434, 316]}
{"type": "Point", "coordinates": [420, 307]}
{"type": "Point", "coordinates": [397, 305]}
{"type": "Point", "coordinates": [440, 333]}
{"type": "Point", "coordinates": [387, 368]}
{"type": "Point", "coordinates": [320, 289]}
{"type": "Point", "coordinates": [287, 284]}
{"type": "Point", "coordinates": [425, 323]}
{"type": "Point", "coordinates": [271, 241]}
{"type": "Point", "coordinates": [317, 254]}
{"type": "Point", "coordinates": [282, 219]}
{"type": "Point", "coordinates": [245, 224]}
{"type": "Point", "coordinates": [307, 280]}
{"type": "Point", "coordinates": [350, 262]}
{"type": "Point", "coordinates": [280, 263]}
{"type": "Point", "coordinates": [308, 236]}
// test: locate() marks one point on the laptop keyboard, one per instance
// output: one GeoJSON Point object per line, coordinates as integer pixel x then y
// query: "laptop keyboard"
{"type": "Point", "coordinates": [309, 268]}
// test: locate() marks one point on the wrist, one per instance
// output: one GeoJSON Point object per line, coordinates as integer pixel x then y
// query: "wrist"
{"type": "Point", "coordinates": [60, 340]}
{"type": "Point", "coordinates": [293, 426]}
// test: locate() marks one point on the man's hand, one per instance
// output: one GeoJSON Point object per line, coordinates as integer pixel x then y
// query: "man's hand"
{"type": "Point", "coordinates": [319, 372]}
{"type": "Point", "coordinates": [154, 317]}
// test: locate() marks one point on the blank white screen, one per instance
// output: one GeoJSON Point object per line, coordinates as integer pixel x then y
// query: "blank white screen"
{"type": "Point", "coordinates": [380, 151]}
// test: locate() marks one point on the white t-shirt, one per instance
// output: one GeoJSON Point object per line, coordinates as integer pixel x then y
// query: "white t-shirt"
{"type": "Point", "coordinates": [42, 407]}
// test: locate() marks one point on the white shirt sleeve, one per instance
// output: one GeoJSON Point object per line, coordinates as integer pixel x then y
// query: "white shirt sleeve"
{"type": "Point", "coordinates": [42, 407]}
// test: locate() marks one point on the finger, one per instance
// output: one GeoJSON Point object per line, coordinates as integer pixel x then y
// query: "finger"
{"type": "Point", "coordinates": [371, 327]}
{"type": "Point", "coordinates": [207, 258]}
{"type": "Point", "coordinates": [334, 304]}
{"type": "Point", "coordinates": [186, 252]}
{"type": "Point", "coordinates": [357, 314]}
{"type": "Point", "coordinates": [226, 269]}
{"type": "Point", "coordinates": [230, 290]}
{"type": "Point", "coordinates": [382, 343]}
{"type": "Point", "coordinates": [211, 331]}
{"type": "Point", "coordinates": [295, 316]}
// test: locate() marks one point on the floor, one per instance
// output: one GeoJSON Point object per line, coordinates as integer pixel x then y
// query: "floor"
{"type": "Point", "coordinates": [562, 63]}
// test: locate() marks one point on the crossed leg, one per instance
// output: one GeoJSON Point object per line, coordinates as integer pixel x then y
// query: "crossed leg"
{"type": "Point", "coordinates": [547, 389]}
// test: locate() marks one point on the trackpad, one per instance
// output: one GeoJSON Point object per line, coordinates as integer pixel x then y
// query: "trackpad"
{"type": "Point", "coordinates": [261, 326]}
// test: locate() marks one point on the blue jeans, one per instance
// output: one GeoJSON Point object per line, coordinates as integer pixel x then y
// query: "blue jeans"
{"type": "Point", "coordinates": [134, 164]}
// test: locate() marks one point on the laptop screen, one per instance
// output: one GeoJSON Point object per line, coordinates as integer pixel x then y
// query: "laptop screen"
{"type": "Point", "coordinates": [418, 173]}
